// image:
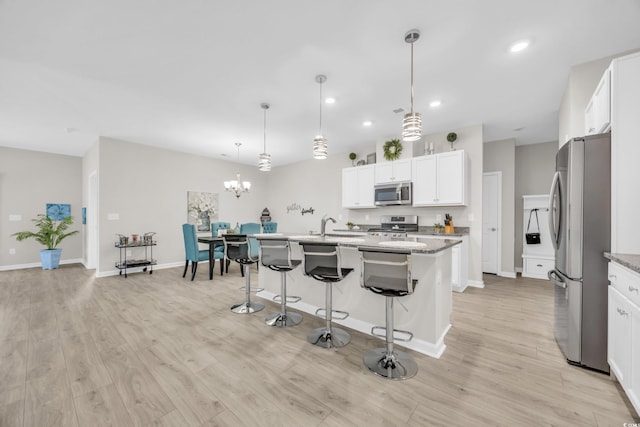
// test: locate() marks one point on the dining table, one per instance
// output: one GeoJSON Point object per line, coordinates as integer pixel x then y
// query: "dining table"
{"type": "Point", "coordinates": [211, 241]}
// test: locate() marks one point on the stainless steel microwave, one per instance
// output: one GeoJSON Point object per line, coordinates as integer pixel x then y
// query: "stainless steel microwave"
{"type": "Point", "coordinates": [393, 194]}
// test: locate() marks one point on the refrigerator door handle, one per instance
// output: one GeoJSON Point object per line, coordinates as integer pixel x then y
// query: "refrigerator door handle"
{"type": "Point", "coordinates": [551, 274]}
{"type": "Point", "coordinates": [553, 230]}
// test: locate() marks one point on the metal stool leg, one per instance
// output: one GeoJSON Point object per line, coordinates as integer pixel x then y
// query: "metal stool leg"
{"type": "Point", "coordinates": [283, 319]}
{"type": "Point", "coordinates": [329, 337]}
{"type": "Point", "coordinates": [395, 365]}
{"type": "Point", "coordinates": [247, 307]}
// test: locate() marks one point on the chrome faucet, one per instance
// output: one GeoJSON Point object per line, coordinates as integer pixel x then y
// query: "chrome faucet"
{"type": "Point", "coordinates": [323, 223]}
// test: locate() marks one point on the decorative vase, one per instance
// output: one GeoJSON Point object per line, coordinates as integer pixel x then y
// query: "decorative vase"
{"type": "Point", "coordinates": [204, 222]}
{"type": "Point", "coordinates": [50, 258]}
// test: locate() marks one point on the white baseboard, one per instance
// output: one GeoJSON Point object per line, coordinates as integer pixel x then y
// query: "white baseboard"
{"type": "Point", "coordinates": [508, 274]}
{"type": "Point", "coordinates": [476, 283]}
{"type": "Point", "coordinates": [38, 264]}
{"type": "Point", "coordinates": [139, 269]}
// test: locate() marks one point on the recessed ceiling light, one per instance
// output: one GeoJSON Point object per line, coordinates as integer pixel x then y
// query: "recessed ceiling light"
{"type": "Point", "coordinates": [367, 123]}
{"type": "Point", "coordinates": [518, 129]}
{"type": "Point", "coordinates": [330, 101]}
{"type": "Point", "coordinates": [436, 103]}
{"type": "Point", "coordinates": [519, 46]}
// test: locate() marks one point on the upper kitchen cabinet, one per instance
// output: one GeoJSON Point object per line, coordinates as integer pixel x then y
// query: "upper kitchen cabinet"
{"type": "Point", "coordinates": [394, 171]}
{"type": "Point", "coordinates": [597, 115]}
{"type": "Point", "coordinates": [440, 179]}
{"type": "Point", "coordinates": [357, 187]}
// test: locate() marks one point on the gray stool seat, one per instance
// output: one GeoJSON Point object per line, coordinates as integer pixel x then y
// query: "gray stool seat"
{"type": "Point", "coordinates": [322, 262]}
{"type": "Point", "coordinates": [275, 254]}
{"type": "Point", "coordinates": [236, 248]}
{"type": "Point", "coordinates": [387, 272]}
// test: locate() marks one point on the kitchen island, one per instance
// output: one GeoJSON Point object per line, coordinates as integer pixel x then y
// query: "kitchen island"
{"type": "Point", "coordinates": [425, 313]}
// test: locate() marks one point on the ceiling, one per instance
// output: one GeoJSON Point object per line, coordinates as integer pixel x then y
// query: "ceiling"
{"type": "Point", "coordinates": [190, 75]}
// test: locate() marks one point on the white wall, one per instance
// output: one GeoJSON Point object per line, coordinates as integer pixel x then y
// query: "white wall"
{"type": "Point", "coordinates": [147, 187]}
{"type": "Point", "coordinates": [28, 181]}
{"type": "Point", "coordinates": [499, 156]}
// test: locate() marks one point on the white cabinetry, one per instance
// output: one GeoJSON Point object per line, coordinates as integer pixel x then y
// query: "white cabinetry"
{"type": "Point", "coordinates": [625, 153]}
{"type": "Point", "coordinates": [394, 171]}
{"type": "Point", "coordinates": [623, 350]}
{"type": "Point", "coordinates": [357, 187]}
{"type": "Point", "coordinates": [597, 116]}
{"type": "Point", "coordinates": [440, 179]}
{"type": "Point", "coordinates": [537, 259]}
{"type": "Point", "coordinates": [459, 260]}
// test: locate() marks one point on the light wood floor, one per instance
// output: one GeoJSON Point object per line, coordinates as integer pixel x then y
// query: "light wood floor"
{"type": "Point", "coordinates": [161, 350]}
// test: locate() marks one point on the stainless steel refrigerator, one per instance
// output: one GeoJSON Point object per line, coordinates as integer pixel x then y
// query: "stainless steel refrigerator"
{"type": "Point", "coordinates": [579, 224]}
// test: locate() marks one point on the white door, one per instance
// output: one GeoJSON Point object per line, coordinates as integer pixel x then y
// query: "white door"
{"type": "Point", "coordinates": [491, 201]}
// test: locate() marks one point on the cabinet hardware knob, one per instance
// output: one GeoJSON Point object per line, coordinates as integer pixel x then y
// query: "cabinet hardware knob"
{"type": "Point", "coordinates": [538, 265]}
{"type": "Point", "coordinates": [632, 289]}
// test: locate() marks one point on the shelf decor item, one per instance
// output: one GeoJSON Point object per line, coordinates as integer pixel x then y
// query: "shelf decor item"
{"type": "Point", "coordinates": [352, 157]}
{"type": "Point", "coordinates": [50, 233]}
{"type": "Point", "coordinates": [392, 149]}
{"type": "Point", "coordinates": [452, 137]}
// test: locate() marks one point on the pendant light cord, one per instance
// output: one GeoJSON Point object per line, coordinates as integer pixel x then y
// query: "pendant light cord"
{"type": "Point", "coordinates": [264, 146]}
{"type": "Point", "coordinates": [411, 77]}
{"type": "Point", "coordinates": [320, 131]}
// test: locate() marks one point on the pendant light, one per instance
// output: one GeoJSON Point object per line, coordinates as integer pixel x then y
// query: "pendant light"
{"type": "Point", "coordinates": [237, 186]}
{"type": "Point", "coordinates": [320, 142]}
{"type": "Point", "coordinates": [412, 123]}
{"type": "Point", "coordinates": [264, 161]}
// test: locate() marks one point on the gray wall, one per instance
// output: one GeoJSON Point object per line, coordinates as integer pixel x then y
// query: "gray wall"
{"type": "Point", "coordinates": [535, 166]}
{"type": "Point", "coordinates": [28, 181]}
{"type": "Point", "coordinates": [499, 156]}
{"type": "Point", "coordinates": [148, 188]}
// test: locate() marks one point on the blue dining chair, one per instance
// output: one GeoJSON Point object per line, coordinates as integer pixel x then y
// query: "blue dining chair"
{"type": "Point", "coordinates": [269, 227]}
{"type": "Point", "coordinates": [215, 226]}
{"type": "Point", "coordinates": [193, 253]}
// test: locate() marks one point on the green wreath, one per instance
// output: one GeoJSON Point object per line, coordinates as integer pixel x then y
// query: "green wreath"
{"type": "Point", "coordinates": [392, 149]}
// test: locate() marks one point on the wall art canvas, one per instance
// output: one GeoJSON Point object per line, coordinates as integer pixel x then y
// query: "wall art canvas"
{"type": "Point", "coordinates": [58, 211]}
{"type": "Point", "coordinates": [202, 209]}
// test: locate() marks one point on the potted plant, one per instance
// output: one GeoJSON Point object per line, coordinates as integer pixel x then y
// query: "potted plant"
{"type": "Point", "coordinates": [350, 225]}
{"type": "Point", "coordinates": [352, 157]}
{"type": "Point", "coordinates": [50, 233]}
{"type": "Point", "coordinates": [451, 137]}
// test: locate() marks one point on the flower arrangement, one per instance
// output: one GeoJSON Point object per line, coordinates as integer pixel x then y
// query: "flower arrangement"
{"type": "Point", "coordinates": [203, 208]}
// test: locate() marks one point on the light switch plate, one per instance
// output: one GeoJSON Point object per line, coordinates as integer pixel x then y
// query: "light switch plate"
{"type": "Point", "coordinates": [113, 216]}
{"type": "Point", "coordinates": [15, 217]}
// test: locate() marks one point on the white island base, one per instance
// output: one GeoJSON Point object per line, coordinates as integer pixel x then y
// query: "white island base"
{"type": "Point", "coordinates": [427, 309]}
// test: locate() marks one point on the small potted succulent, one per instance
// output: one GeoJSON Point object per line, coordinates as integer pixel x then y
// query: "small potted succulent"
{"type": "Point", "coordinates": [50, 233]}
{"type": "Point", "coordinates": [353, 157]}
{"type": "Point", "coordinates": [350, 225]}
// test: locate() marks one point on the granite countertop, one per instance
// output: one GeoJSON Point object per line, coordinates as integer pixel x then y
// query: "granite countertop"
{"type": "Point", "coordinates": [417, 245]}
{"type": "Point", "coordinates": [424, 231]}
{"type": "Point", "coordinates": [628, 260]}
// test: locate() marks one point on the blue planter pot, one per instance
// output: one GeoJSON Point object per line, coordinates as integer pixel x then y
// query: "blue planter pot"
{"type": "Point", "coordinates": [50, 258]}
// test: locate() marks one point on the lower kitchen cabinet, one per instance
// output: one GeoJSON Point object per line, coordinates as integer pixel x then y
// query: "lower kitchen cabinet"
{"type": "Point", "coordinates": [459, 260]}
{"type": "Point", "coordinates": [623, 349]}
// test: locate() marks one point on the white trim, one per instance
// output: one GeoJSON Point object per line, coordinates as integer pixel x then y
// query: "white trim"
{"type": "Point", "coordinates": [38, 264]}
{"type": "Point", "coordinates": [508, 274]}
{"type": "Point", "coordinates": [434, 350]}
{"type": "Point", "coordinates": [476, 283]}
{"type": "Point", "coordinates": [139, 269]}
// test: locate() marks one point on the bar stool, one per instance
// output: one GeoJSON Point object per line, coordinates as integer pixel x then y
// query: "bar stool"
{"type": "Point", "coordinates": [275, 254]}
{"type": "Point", "coordinates": [236, 248]}
{"type": "Point", "coordinates": [387, 272]}
{"type": "Point", "coordinates": [322, 262]}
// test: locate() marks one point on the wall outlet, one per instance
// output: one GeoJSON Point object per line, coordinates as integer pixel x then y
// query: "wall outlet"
{"type": "Point", "coordinates": [12, 251]}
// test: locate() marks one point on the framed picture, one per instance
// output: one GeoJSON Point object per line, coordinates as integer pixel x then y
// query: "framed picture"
{"type": "Point", "coordinates": [58, 211]}
{"type": "Point", "coordinates": [371, 158]}
{"type": "Point", "coordinates": [202, 209]}
{"type": "Point", "coordinates": [84, 215]}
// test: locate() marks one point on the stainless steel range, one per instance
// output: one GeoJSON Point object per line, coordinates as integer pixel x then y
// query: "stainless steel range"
{"type": "Point", "coordinates": [395, 226]}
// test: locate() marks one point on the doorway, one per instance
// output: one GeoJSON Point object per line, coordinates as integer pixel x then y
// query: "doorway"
{"type": "Point", "coordinates": [491, 222]}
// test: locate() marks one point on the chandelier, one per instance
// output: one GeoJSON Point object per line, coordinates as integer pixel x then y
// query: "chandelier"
{"type": "Point", "coordinates": [320, 142]}
{"type": "Point", "coordinates": [264, 161]}
{"type": "Point", "coordinates": [236, 186]}
{"type": "Point", "coordinates": [412, 123]}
